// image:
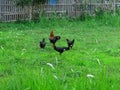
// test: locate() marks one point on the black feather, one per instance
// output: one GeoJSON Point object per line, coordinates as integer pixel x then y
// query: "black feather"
{"type": "Point", "coordinates": [55, 39]}
{"type": "Point", "coordinates": [60, 49]}
{"type": "Point", "coordinates": [70, 43]}
{"type": "Point", "coordinates": [42, 43]}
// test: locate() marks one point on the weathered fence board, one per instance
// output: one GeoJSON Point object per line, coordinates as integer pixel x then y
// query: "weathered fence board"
{"type": "Point", "coordinates": [10, 12]}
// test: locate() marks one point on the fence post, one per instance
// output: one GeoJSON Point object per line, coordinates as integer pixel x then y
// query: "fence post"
{"type": "Point", "coordinates": [30, 13]}
{"type": "Point", "coordinates": [90, 7]}
{"type": "Point", "coordinates": [102, 4]}
{"type": "Point", "coordinates": [114, 7]}
{"type": "Point", "coordinates": [0, 10]}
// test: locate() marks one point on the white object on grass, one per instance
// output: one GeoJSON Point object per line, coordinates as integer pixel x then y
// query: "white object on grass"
{"type": "Point", "coordinates": [49, 64]}
{"type": "Point", "coordinates": [90, 76]}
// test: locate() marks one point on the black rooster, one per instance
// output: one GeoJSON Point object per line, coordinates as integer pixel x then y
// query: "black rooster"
{"type": "Point", "coordinates": [60, 49]}
{"type": "Point", "coordinates": [42, 43]}
{"type": "Point", "coordinates": [54, 39]}
{"type": "Point", "coordinates": [70, 43]}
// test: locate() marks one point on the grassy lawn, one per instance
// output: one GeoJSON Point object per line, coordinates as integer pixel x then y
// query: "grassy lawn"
{"type": "Point", "coordinates": [92, 64]}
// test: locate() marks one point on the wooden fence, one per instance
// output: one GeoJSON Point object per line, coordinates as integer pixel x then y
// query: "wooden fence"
{"type": "Point", "coordinates": [10, 12]}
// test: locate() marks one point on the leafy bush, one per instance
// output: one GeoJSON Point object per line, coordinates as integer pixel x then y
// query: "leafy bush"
{"type": "Point", "coordinates": [26, 2]}
{"type": "Point", "coordinates": [99, 12]}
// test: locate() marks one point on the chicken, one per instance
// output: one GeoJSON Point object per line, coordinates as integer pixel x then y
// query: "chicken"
{"type": "Point", "coordinates": [70, 43]}
{"type": "Point", "coordinates": [42, 43]}
{"type": "Point", "coordinates": [51, 34]}
{"type": "Point", "coordinates": [60, 49]}
{"type": "Point", "coordinates": [53, 38]}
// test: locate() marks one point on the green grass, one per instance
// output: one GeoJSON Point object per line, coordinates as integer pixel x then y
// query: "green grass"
{"type": "Point", "coordinates": [24, 66]}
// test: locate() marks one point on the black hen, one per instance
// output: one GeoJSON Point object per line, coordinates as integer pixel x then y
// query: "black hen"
{"type": "Point", "coordinates": [42, 43]}
{"type": "Point", "coordinates": [70, 43]}
{"type": "Point", "coordinates": [60, 49]}
{"type": "Point", "coordinates": [54, 39]}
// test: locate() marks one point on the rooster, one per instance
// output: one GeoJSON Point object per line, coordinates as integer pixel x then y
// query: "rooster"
{"type": "Point", "coordinates": [60, 49]}
{"type": "Point", "coordinates": [53, 38]}
{"type": "Point", "coordinates": [70, 43]}
{"type": "Point", "coordinates": [42, 43]}
{"type": "Point", "coordinates": [51, 34]}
